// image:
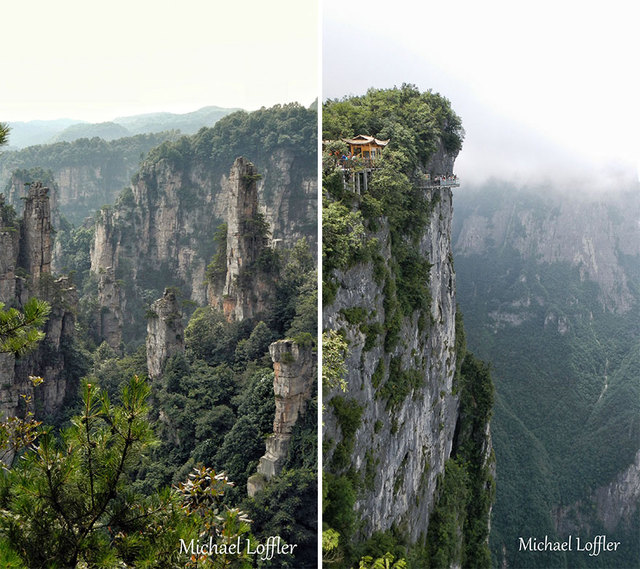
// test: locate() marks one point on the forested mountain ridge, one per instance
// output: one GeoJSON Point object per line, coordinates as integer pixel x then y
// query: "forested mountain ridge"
{"type": "Point", "coordinates": [550, 285]}
{"type": "Point", "coordinates": [407, 450]}
{"type": "Point", "coordinates": [88, 173]}
{"type": "Point", "coordinates": [41, 132]}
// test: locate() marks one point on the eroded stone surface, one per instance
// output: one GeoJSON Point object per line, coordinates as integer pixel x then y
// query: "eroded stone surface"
{"type": "Point", "coordinates": [165, 333]}
{"type": "Point", "coordinates": [294, 371]}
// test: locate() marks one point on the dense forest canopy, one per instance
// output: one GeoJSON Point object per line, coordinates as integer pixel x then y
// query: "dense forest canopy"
{"type": "Point", "coordinates": [249, 134]}
{"type": "Point", "coordinates": [93, 151]}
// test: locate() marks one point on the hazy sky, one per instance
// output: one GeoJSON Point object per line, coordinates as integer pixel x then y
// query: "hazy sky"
{"type": "Point", "coordinates": [98, 60]}
{"type": "Point", "coordinates": [541, 86]}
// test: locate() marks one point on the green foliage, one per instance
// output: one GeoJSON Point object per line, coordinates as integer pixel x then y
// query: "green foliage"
{"type": "Point", "coordinates": [210, 337]}
{"type": "Point", "coordinates": [75, 245]}
{"type": "Point", "coordinates": [295, 309]}
{"type": "Point", "coordinates": [112, 372]}
{"type": "Point", "coordinates": [445, 534]}
{"type": "Point", "coordinates": [303, 447]}
{"type": "Point", "coordinates": [263, 131]}
{"type": "Point", "coordinates": [344, 240]}
{"type": "Point", "coordinates": [201, 499]}
{"type": "Point", "coordinates": [384, 562]}
{"type": "Point", "coordinates": [348, 413]}
{"type": "Point", "coordinates": [354, 314]}
{"type": "Point", "coordinates": [217, 269]}
{"type": "Point", "coordinates": [412, 278]}
{"type": "Point", "coordinates": [4, 133]}
{"type": "Point", "coordinates": [288, 507]}
{"type": "Point", "coordinates": [66, 501]}
{"type": "Point", "coordinates": [339, 497]}
{"type": "Point", "coordinates": [17, 433]}
{"type": "Point", "coordinates": [256, 345]}
{"type": "Point", "coordinates": [20, 331]}
{"type": "Point", "coordinates": [71, 501]}
{"type": "Point", "coordinates": [400, 383]}
{"type": "Point", "coordinates": [334, 353]}
{"type": "Point", "coordinates": [330, 543]}
{"type": "Point", "coordinates": [8, 217]}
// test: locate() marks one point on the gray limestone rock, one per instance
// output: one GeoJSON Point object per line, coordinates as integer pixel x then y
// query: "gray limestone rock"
{"type": "Point", "coordinates": [294, 372]}
{"type": "Point", "coordinates": [165, 333]}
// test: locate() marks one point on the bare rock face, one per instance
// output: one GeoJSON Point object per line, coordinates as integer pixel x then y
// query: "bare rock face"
{"type": "Point", "coordinates": [9, 247]}
{"type": "Point", "coordinates": [545, 228]}
{"type": "Point", "coordinates": [50, 359]}
{"type": "Point", "coordinates": [413, 440]}
{"type": "Point", "coordinates": [27, 247]}
{"type": "Point", "coordinates": [614, 504]}
{"type": "Point", "coordinates": [243, 294]}
{"type": "Point", "coordinates": [110, 316]}
{"type": "Point", "coordinates": [35, 238]}
{"type": "Point", "coordinates": [18, 186]}
{"type": "Point", "coordinates": [294, 371]}
{"type": "Point", "coordinates": [165, 333]}
{"type": "Point", "coordinates": [405, 427]}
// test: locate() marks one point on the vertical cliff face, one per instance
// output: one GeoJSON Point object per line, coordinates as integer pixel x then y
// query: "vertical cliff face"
{"type": "Point", "coordinates": [549, 288]}
{"type": "Point", "coordinates": [25, 271]}
{"type": "Point", "coordinates": [9, 249]}
{"type": "Point", "coordinates": [294, 369]}
{"type": "Point", "coordinates": [165, 333]}
{"type": "Point", "coordinates": [19, 183]}
{"type": "Point", "coordinates": [405, 433]}
{"type": "Point", "coordinates": [245, 292]}
{"type": "Point", "coordinates": [407, 446]}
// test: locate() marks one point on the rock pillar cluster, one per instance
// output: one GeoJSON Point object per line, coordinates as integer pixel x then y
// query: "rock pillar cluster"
{"type": "Point", "coordinates": [165, 333]}
{"type": "Point", "coordinates": [25, 271]}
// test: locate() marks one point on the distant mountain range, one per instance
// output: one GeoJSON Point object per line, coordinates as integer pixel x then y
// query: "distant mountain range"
{"type": "Point", "coordinates": [67, 130]}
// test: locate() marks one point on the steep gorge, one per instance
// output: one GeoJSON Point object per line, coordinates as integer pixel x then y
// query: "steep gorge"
{"type": "Point", "coordinates": [550, 285]}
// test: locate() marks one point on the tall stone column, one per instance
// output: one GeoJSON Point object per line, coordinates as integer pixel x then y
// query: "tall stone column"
{"type": "Point", "coordinates": [294, 371]}
{"type": "Point", "coordinates": [35, 242]}
{"type": "Point", "coordinates": [165, 333]}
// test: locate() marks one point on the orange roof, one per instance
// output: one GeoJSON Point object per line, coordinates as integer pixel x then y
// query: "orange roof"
{"type": "Point", "coordinates": [363, 139]}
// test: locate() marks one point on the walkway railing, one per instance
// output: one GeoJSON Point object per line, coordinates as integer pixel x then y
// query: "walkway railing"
{"type": "Point", "coordinates": [440, 182]}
